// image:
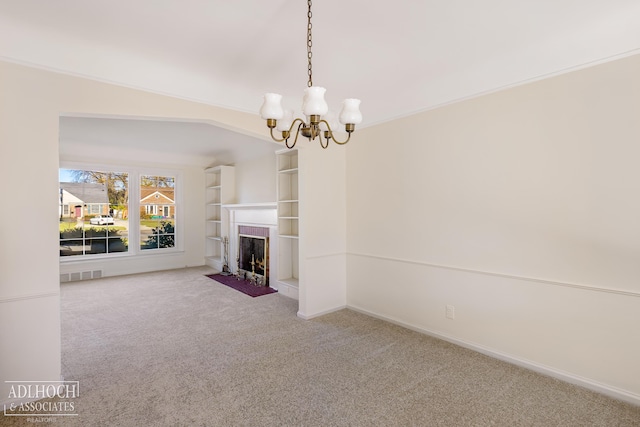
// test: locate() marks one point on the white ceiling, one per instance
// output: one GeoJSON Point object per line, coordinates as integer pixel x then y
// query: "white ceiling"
{"type": "Point", "coordinates": [168, 142]}
{"type": "Point", "coordinates": [399, 57]}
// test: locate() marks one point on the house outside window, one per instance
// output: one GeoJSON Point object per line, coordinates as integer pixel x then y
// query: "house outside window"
{"type": "Point", "coordinates": [93, 212]}
{"type": "Point", "coordinates": [95, 209]}
{"type": "Point", "coordinates": [157, 212]}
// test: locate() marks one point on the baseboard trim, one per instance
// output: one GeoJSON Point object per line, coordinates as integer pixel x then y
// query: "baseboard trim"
{"type": "Point", "coordinates": [322, 313]}
{"type": "Point", "coordinates": [598, 387]}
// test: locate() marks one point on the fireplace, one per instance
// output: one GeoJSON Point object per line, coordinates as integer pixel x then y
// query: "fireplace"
{"type": "Point", "coordinates": [258, 221]}
{"type": "Point", "coordinates": [253, 254]}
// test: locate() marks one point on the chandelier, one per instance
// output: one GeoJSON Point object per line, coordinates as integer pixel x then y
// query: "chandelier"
{"type": "Point", "coordinates": [314, 108]}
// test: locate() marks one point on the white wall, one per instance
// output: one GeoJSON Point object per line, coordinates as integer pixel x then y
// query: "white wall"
{"type": "Point", "coordinates": [520, 209]}
{"type": "Point", "coordinates": [256, 180]}
{"type": "Point", "coordinates": [322, 173]}
{"type": "Point", "coordinates": [30, 106]}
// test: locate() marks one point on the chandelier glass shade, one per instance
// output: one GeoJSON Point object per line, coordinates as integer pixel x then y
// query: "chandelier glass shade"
{"type": "Point", "coordinates": [318, 124]}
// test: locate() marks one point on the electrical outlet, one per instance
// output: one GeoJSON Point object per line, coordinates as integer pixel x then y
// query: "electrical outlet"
{"type": "Point", "coordinates": [450, 312]}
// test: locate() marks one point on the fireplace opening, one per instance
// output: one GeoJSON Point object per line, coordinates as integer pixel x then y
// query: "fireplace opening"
{"type": "Point", "coordinates": [253, 258]}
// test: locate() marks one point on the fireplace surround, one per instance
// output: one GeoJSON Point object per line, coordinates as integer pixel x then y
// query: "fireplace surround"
{"type": "Point", "coordinates": [250, 227]}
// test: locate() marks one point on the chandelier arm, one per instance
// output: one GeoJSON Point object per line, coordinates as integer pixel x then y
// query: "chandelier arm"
{"type": "Point", "coordinates": [286, 142]}
{"type": "Point", "coordinates": [297, 133]}
{"type": "Point", "coordinates": [341, 142]}
{"type": "Point", "coordinates": [330, 132]}
{"type": "Point", "coordinates": [297, 119]}
{"type": "Point", "coordinates": [285, 134]}
{"type": "Point", "coordinates": [276, 139]}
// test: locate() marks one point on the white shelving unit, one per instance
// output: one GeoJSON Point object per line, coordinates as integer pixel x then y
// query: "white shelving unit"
{"type": "Point", "coordinates": [288, 222]}
{"type": "Point", "coordinates": [220, 189]}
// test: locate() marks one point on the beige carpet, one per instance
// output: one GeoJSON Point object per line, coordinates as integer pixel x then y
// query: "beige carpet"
{"type": "Point", "coordinates": [178, 349]}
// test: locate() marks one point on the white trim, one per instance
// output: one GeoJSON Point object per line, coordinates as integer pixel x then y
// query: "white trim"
{"type": "Point", "coordinates": [25, 297]}
{"type": "Point", "coordinates": [598, 387]}
{"type": "Point", "coordinates": [266, 205]}
{"type": "Point", "coordinates": [321, 313]}
{"type": "Point", "coordinates": [503, 275]}
{"type": "Point", "coordinates": [119, 83]}
{"type": "Point", "coordinates": [331, 255]}
{"type": "Point", "coordinates": [48, 68]}
{"type": "Point", "coordinates": [503, 87]}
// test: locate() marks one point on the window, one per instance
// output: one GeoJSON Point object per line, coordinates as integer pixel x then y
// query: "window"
{"type": "Point", "coordinates": [102, 211]}
{"type": "Point", "coordinates": [157, 212]}
{"type": "Point", "coordinates": [151, 209]}
{"type": "Point", "coordinates": [94, 208]}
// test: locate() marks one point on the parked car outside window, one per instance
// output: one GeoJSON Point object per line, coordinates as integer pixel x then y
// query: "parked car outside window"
{"type": "Point", "coordinates": [102, 220]}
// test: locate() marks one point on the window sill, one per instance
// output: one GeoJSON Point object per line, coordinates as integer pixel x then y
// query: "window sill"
{"type": "Point", "coordinates": [79, 259]}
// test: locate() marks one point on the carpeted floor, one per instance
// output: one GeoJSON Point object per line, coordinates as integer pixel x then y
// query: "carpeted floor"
{"type": "Point", "coordinates": [176, 349]}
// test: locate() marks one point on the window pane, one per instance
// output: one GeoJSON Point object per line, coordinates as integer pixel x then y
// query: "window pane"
{"type": "Point", "coordinates": [71, 247]}
{"type": "Point", "coordinates": [157, 212]}
{"type": "Point", "coordinates": [96, 246]}
{"type": "Point", "coordinates": [93, 205]}
{"type": "Point", "coordinates": [118, 245]}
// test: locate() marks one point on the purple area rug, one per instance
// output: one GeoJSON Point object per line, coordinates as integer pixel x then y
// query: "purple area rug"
{"type": "Point", "coordinates": [243, 286]}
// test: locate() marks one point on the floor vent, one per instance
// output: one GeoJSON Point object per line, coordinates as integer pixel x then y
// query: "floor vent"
{"type": "Point", "coordinates": [80, 275]}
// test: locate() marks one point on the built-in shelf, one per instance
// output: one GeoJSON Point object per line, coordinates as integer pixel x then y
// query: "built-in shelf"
{"type": "Point", "coordinates": [289, 288]}
{"type": "Point", "coordinates": [291, 282]}
{"type": "Point", "coordinates": [289, 171]}
{"type": "Point", "coordinates": [219, 190]}
{"type": "Point", "coordinates": [288, 228]}
{"type": "Point", "coordinates": [252, 206]}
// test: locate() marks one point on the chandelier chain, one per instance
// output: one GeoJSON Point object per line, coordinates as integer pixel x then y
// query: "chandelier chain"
{"type": "Point", "coordinates": [309, 44]}
{"type": "Point", "coordinates": [314, 107]}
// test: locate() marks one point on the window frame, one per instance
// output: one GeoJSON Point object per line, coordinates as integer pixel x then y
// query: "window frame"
{"type": "Point", "coordinates": [176, 195]}
{"type": "Point", "coordinates": [135, 173]}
